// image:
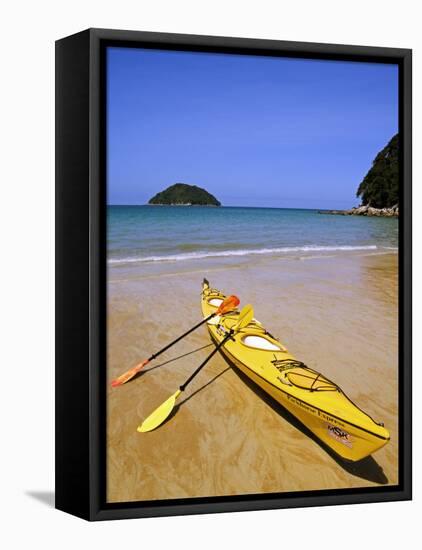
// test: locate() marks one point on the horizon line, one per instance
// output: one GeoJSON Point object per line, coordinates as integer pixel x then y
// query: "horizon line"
{"type": "Point", "coordinates": [229, 206]}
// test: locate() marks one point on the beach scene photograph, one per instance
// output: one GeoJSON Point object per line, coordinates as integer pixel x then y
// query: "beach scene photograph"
{"type": "Point", "coordinates": [252, 275]}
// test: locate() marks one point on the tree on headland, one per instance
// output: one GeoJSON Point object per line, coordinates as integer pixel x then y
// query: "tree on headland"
{"type": "Point", "coordinates": [380, 186]}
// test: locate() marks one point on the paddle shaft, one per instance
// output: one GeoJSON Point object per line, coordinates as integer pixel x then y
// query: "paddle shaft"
{"type": "Point", "coordinates": [192, 376]}
{"type": "Point", "coordinates": [180, 338]}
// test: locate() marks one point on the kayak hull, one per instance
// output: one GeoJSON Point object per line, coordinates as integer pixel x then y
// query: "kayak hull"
{"type": "Point", "coordinates": [319, 404]}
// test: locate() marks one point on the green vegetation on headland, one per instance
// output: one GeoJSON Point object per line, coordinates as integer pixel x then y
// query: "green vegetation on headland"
{"type": "Point", "coordinates": [379, 189]}
{"type": "Point", "coordinates": [185, 195]}
{"type": "Point", "coordinates": [380, 186]}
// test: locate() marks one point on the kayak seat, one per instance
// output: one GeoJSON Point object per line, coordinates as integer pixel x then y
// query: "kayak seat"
{"type": "Point", "coordinates": [256, 341]}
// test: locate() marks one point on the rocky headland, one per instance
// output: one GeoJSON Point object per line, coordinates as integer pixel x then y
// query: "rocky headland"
{"type": "Point", "coordinates": [366, 211]}
{"type": "Point", "coordinates": [379, 189]}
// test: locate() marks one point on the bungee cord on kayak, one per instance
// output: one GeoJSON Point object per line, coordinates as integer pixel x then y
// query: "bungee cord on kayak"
{"type": "Point", "coordinates": [312, 380]}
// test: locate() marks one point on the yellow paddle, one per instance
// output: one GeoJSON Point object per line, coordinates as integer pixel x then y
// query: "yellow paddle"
{"type": "Point", "coordinates": [227, 305]}
{"type": "Point", "coordinates": [157, 417]}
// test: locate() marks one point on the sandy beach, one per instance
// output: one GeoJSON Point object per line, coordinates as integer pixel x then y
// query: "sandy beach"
{"type": "Point", "coordinates": [336, 313]}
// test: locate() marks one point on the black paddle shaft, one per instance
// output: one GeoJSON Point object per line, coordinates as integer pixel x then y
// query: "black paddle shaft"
{"type": "Point", "coordinates": [180, 337]}
{"type": "Point", "coordinates": [192, 376]}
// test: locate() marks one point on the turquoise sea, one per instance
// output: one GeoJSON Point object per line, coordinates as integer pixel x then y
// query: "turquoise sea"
{"type": "Point", "coordinates": [151, 234]}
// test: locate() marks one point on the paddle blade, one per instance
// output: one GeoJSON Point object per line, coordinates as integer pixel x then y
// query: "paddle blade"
{"type": "Point", "coordinates": [123, 378]}
{"type": "Point", "coordinates": [229, 304]}
{"type": "Point", "coordinates": [158, 416]}
{"type": "Point", "coordinates": [245, 317]}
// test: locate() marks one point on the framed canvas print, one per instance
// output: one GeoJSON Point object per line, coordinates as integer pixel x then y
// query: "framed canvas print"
{"type": "Point", "coordinates": [233, 274]}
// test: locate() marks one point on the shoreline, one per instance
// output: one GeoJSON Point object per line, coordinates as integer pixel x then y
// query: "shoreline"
{"type": "Point", "coordinates": [282, 253]}
{"type": "Point", "coordinates": [226, 438]}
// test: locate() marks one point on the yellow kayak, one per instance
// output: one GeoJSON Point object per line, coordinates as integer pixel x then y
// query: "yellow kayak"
{"type": "Point", "coordinates": [317, 402]}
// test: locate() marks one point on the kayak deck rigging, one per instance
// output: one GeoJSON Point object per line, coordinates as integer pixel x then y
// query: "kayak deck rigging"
{"type": "Point", "coordinates": [304, 377]}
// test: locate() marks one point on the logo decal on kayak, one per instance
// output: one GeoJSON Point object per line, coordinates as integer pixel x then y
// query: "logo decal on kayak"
{"type": "Point", "coordinates": [340, 435]}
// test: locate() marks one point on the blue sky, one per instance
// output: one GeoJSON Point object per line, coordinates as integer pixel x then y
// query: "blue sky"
{"type": "Point", "coordinates": [254, 131]}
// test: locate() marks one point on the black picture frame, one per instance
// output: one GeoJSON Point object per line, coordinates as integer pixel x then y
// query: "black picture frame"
{"type": "Point", "coordinates": [81, 277]}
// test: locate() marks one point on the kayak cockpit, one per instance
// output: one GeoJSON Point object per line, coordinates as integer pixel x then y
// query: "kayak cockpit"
{"type": "Point", "coordinates": [262, 342]}
{"type": "Point", "coordinates": [215, 302]}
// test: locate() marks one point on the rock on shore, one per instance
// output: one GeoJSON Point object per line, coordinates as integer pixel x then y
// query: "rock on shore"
{"type": "Point", "coordinates": [366, 211]}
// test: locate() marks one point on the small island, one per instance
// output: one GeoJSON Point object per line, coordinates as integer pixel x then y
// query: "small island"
{"type": "Point", "coordinates": [379, 190]}
{"type": "Point", "coordinates": [182, 194]}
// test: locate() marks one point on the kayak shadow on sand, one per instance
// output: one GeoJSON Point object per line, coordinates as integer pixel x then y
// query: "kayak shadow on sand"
{"type": "Point", "coordinates": [144, 371]}
{"type": "Point", "coordinates": [367, 468]}
{"type": "Point", "coordinates": [186, 399]}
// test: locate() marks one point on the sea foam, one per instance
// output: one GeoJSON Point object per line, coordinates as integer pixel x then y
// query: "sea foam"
{"type": "Point", "coordinates": [243, 252]}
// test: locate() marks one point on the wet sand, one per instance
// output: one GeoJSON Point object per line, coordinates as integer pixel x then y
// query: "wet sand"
{"type": "Point", "coordinates": [338, 314]}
